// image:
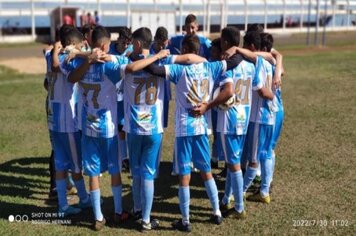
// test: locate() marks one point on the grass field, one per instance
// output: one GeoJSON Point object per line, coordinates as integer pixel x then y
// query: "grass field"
{"type": "Point", "coordinates": [314, 183]}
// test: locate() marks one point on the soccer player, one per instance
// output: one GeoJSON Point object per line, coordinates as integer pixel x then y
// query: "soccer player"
{"type": "Point", "coordinates": [194, 86]}
{"type": "Point", "coordinates": [267, 46]}
{"type": "Point", "coordinates": [122, 47]}
{"type": "Point", "coordinates": [191, 27]}
{"type": "Point", "coordinates": [62, 123]}
{"type": "Point", "coordinates": [99, 140]}
{"type": "Point", "coordinates": [87, 30]}
{"type": "Point", "coordinates": [259, 134]}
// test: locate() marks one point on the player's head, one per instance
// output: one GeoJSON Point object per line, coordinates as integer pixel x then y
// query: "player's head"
{"type": "Point", "coordinates": [266, 42]}
{"type": "Point", "coordinates": [141, 39]}
{"type": "Point", "coordinates": [124, 39]}
{"type": "Point", "coordinates": [161, 39]}
{"type": "Point", "coordinates": [255, 27]}
{"type": "Point", "coordinates": [87, 30]}
{"type": "Point", "coordinates": [215, 50]}
{"type": "Point", "coordinates": [191, 25]}
{"type": "Point", "coordinates": [252, 41]}
{"type": "Point", "coordinates": [63, 32]}
{"type": "Point", "coordinates": [70, 36]}
{"type": "Point", "coordinates": [230, 36]}
{"type": "Point", "coordinates": [101, 38]}
{"type": "Point", "coordinates": [190, 44]}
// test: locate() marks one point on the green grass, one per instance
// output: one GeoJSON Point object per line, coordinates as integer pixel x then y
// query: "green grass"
{"type": "Point", "coordinates": [314, 177]}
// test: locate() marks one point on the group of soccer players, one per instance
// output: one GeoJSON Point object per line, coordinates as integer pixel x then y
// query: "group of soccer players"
{"type": "Point", "coordinates": [106, 97]}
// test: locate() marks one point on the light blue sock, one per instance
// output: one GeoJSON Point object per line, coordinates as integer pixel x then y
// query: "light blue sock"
{"type": "Point", "coordinates": [237, 182]}
{"type": "Point", "coordinates": [116, 192]}
{"type": "Point", "coordinates": [95, 202]}
{"type": "Point", "coordinates": [147, 190]}
{"type": "Point", "coordinates": [184, 201]}
{"type": "Point", "coordinates": [136, 193]}
{"type": "Point", "coordinates": [273, 164]}
{"type": "Point", "coordinates": [70, 180]}
{"type": "Point", "coordinates": [249, 177]}
{"type": "Point", "coordinates": [82, 192]}
{"type": "Point", "coordinates": [266, 175]}
{"type": "Point", "coordinates": [61, 186]}
{"type": "Point", "coordinates": [212, 192]}
{"type": "Point", "coordinates": [228, 189]}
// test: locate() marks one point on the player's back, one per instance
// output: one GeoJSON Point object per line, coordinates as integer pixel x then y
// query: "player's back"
{"type": "Point", "coordinates": [143, 103]}
{"type": "Point", "coordinates": [262, 109]}
{"type": "Point", "coordinates": [175, 45]}
{"type": "Point", "coordinates": [235, 119]}
{"type": "Point", "coordinates": [62, 98]}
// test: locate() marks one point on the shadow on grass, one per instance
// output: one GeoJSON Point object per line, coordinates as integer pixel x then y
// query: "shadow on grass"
{"type": "Point", "coordinates": [24, 178]}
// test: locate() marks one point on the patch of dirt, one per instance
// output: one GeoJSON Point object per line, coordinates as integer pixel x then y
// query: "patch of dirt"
{"type": "Point", "coordinates": [28, 65]}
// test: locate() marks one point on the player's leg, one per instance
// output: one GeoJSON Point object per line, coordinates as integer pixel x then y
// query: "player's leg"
{"type": "Point", "coordinates": [215, 150]}
{"type": "Point", "coordinates": [201, 160]}
{"type": "Point", "coordinates": [76, 167]}
{"type": "Point", "coordinates": [228, 189]}
{"type": "Point", "coordinates": [233, 146]}
{"type": "Point", "coordinates": [93, 166]}
{"type": "Point", "coordinates": [276, 134]}
{"type": "Point", "coordinates": [264, 155]}
{"type": "Point", "coordinates": [182, 166]}
{"type": "Point", "coordinates": [110, 150]}
{"type": "Point", "coordinates": [251, 154]}
{"type": "Point", "coordinates": [149, 165]}
{"type": "Point", "coordinates": [62, 165]}
{"type": "Point", "coordinates": [135, 146]}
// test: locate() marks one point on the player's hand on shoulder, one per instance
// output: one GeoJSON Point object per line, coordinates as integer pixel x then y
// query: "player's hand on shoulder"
{"type": "Point", "coordinates": [97, 56]}
{"type": "Point", "coordinates": [229, 53]}
{"type": "Point", "coordinates": [57, 47]}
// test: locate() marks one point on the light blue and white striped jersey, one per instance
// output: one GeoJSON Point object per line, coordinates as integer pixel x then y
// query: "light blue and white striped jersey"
{"type": "Point", "coordinates": [122, 60]}
{"type": "Point", "coordinates": [62, 99]}
{"type": "Point", "coordinates": [262, 110]}
{"type": "Point", "coordinates": [143, 103]}
{"type": "Point", "coordinates": [98, 92]}
{"type": "Point", "coordinates": [235, 120]}
{"type": "Point", "coordinates": [194, 85]}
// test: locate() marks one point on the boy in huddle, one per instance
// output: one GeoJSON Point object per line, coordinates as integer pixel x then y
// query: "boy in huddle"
{"type": "Point", "coordinates": [99, 140]}
{"type": "Point", "coordinates": [194, 84]}
{"type": "Point", "coordinates": [62, 122]}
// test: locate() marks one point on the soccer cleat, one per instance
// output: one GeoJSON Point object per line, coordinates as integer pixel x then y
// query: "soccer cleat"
{"type": "Point", "coordinates": [179, 225]}
{"type": "Point", "coordinates": [225, 207]}
{"type": "Point", "coordinates": [136, 215]}
{"type": "Point", "coordinates": [99, 225]}
{"type": "Point", "coordinates": [216, 219]}
{"type": "Point", "coordinates": [237, 215]}
{"type": "Point", "coordinates": [121, 218]}
{"type": "Point", "coordinates": [154, 224]}
{"type": "Point", "coordinates": [69, 211]}
{"type": "Point", "coordinates": [72, 191]}
{"type": "Point", "coordinates": [259, 198]}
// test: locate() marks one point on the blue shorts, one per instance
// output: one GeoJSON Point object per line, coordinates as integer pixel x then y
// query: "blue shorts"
{"type": "Point", "coordinates": [100, 155]}
{"type": "Point", "coordinates": [258, 142]}
{"type": "Point", "coordinates": [232, 146]}
{"type": "Point", "coordinates": [144, 154]}
{"type": "Point", "coordinates": [277, 128]}
{"type": "Point", "coordinates": [67, 151]}
{"type": "Point", "coordinates": [194, 149]}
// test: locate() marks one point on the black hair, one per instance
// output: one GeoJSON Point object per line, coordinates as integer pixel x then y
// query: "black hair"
{"type": "Point", "coordinates": [125, 33]}
{"type": "Point", "coordinates": [255, 27]}
{"type": "Point", "coordinates": [253, 37]}
{"type": "Point", "coordinates": [266, 41]}
{"type": "Point", "coordinates": [69, 35]}
{"type": "Point", "coordinates": [216, 43]}
{"type": "Point", "coordinates": [190, 19]}
{"type": "Point", "coordinates": [161, 34]}
{"type": "Point", "coordinates": [192, 42]}
{"type": "Point", "coordinates": [144, 35]}
{"type": "Point", "coordinates": [87, 28]}
{"type": "Point", "coordinates": [231, 35]}
{"type": "Point", "coordinates": [63, 31]}
{"type": "Point", "coordinates": [99, 33]}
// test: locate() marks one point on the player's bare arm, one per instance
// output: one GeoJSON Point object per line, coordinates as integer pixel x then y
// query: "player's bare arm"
{"type": "Point", "coordinates": [189, 59]}
{"type": "Point", "coordinates": [141, 64]}
{"type": "Point", "coordinates": [55, 59]}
